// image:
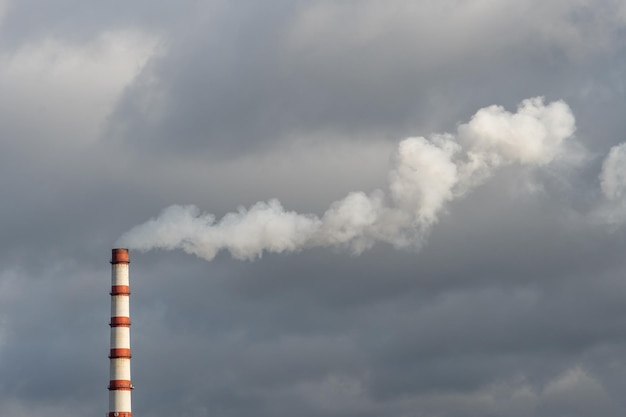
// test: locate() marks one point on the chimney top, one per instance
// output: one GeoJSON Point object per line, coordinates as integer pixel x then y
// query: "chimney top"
{"type": "Point", "coordinates": [120, 256]}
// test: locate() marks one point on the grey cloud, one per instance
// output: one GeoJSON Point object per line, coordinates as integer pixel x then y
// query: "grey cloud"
{"type": "Point", "coordinates": [28, 21]}
{"type": "Point", "coordinates": [246, 81]}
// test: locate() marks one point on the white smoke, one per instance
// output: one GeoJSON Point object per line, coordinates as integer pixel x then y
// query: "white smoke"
{"type": "Point", "coordinates": [426, 175]}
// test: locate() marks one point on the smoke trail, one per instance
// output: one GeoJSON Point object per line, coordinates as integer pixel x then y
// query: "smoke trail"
{"type": "Point", "coordinates": [426, 175]}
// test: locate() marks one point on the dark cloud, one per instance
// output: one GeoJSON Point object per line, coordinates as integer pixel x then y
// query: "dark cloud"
{"type": "Point", "coordinates": [245, 77]}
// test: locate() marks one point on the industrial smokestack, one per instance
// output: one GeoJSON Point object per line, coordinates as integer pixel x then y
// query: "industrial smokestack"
{"type": "Point", "coordinates": [119, 372]}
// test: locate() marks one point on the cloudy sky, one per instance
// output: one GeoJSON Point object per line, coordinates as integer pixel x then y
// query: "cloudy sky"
{"type": "Point", "coordinates": [425, 206]}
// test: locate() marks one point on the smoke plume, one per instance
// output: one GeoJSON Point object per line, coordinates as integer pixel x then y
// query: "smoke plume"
{"type": "Point", "coordinates": [426, 175]}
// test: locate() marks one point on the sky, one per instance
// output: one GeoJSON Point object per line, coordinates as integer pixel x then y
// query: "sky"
{"type": "Point", "coordinates": [350, 208]}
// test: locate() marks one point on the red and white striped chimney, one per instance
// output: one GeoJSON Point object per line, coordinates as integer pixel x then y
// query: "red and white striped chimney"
{"type": "Point", "coordinates": [119, 382]}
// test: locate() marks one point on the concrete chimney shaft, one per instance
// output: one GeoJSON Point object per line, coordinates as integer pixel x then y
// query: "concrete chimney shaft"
{"type": "Point", "coordinates": [120, 386]}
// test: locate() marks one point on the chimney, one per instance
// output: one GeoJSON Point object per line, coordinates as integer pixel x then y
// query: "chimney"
{"type": "Point", "coordinates": [119, 381]}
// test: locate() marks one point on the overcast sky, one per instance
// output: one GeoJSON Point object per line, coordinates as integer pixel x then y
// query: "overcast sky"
{"type": "Point", "coordinates": [498, 290]}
